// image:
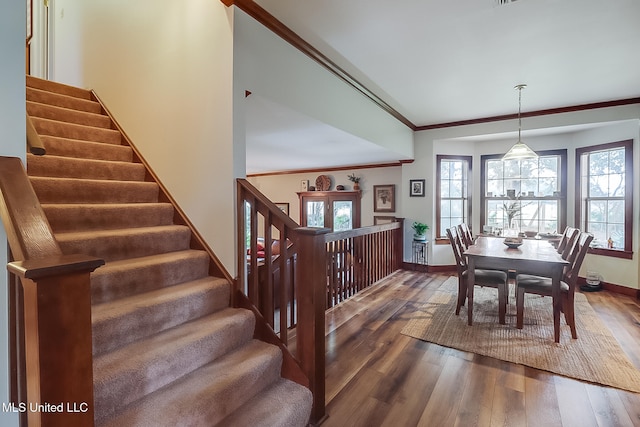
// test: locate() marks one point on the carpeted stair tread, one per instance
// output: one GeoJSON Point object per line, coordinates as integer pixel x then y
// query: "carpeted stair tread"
{"type": "Point", "coordinates": [69, 167]}
{"type": "Point", "coordinates": [127, 374]}
{"type": "Point", "coordinates": [131, 276]}
{"type": "Point", "coordinates": [97, 216]}
{"type": "Point", "coordinates": [59, 88]}
{"type": "Point", "coordinates": [284, 404]}
{"type": "Point", "coordinates": [112, 245]}
{"type": "Point", "coordinates": [64, 101]}
{"type": "Point", "coordinates": [69, 115]}
{"type": "Point", "coordinates": [57, 146]}
{"type": "Point", "coordinates": [121, 322]}
{"type": "Point", "coordinates": [168, 349]}
{"type": "Point", "coordinates": [207, 395]}
{"type": "Point", "coordinates": [70, 190]}
{"type": "Point", "coordinates": [74, 131]}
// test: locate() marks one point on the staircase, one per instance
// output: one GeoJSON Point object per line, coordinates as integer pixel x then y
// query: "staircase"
{"type": "Point", "coordinates": [168, 350]}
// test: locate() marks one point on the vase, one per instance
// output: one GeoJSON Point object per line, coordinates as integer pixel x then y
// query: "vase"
{"type": "Point", "coordinates": [419, 237]}
{"type": "Point", "coordinates": [356, 186]}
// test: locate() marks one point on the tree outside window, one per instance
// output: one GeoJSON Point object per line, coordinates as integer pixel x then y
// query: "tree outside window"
{"type": "Point", "coordinates": [453, 205]}
{"type": "Point", "coordinates": [605, 196]}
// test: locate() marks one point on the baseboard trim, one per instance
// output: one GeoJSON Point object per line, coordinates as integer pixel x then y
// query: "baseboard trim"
{"type": "Point", "coordinates": [612, 287]}
{"type": "Point", "coordinates": [428, 268]}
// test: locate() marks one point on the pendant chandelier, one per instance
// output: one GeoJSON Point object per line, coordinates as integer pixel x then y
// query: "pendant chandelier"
{"type": "Point", "coordinates": [520, 150]}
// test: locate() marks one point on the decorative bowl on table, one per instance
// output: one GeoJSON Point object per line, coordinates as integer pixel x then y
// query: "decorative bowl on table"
{"type": "Point", "coordinates": [530, 234]}
{"type": "Point", "coordinates": [513, 242]}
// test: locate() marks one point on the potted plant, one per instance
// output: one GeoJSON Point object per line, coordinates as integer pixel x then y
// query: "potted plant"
{"type": "Point", "coordinates": [355, 179]}
{"type": "Point", "coordinates": [419, 231]}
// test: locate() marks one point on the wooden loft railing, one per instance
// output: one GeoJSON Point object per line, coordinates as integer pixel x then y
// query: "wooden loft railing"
{"type": "Point", "coordinates": [50, 309]}
{"type": "Point", "coordinates": [291, 276]}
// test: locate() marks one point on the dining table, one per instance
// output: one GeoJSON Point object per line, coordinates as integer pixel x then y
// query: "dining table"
{"type": "Point", "coordinates": [534, 256]}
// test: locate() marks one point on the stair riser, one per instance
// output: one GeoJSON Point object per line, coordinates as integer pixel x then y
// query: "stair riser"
{"type": "Point", "coordinates": [63, 101]}
{"type": "Point", "coordinates": [63, 167]}
{"type": "Point", "coordinates": [73, 131]}
{"type": "Point", "coordinates": [52, 190]}
{"type": "Point", "coordinates": [226, 383]}
{"type": "Point", "coordinates": [86, 149]}
{"type": "Point", "coordinates": [113, 392]}
{"type": "Point", "coordinates": [110, 283]}
{"type": "Point", "coordinates": [117, 247]}
{"type": "Point", "coordinates": [112, 333]}
{"type": "Point", "coordinates": [45, 111]}
{"type": "Point", "coordinates": [65, 218]}
{"type": "Point", "coordinates": [59, 88]}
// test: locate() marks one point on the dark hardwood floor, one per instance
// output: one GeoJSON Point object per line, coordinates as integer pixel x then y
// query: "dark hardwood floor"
{"type": "Point", "coordinates": [378, 377]}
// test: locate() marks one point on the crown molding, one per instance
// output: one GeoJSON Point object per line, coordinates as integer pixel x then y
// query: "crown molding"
{"type": "Point", "coordinates": [546, 112]}
{"type": "Point", "coordinates": [276, 26]}
{"type": "Point", "coordinates": [333, 169]}
{"type": "Point", "coordinates": [269, 21]}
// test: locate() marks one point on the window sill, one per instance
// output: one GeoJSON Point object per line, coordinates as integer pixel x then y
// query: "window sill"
{"type": "Point", "coordinates": [615, 253]}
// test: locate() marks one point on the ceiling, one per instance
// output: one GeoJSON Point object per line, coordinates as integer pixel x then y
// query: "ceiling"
{"type": "Point", "coordinates": [438, 62]}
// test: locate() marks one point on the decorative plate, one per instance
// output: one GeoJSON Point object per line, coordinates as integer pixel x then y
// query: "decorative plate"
{"type": "Point", "coordinates": [323, 183]}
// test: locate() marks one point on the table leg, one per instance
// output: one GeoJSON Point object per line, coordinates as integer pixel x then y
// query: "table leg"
{"type": "Point", "coordinates": [557, 304]}
{"type": "Point", "coordinates": [471, 280]}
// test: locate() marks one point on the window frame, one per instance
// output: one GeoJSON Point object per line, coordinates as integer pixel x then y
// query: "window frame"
{"type": "Point", "coordinates": [442, 239]}
{"type": "Point", "coordinates": [562, 176]}
{"type": "Point", "coordinates": [627, 252]}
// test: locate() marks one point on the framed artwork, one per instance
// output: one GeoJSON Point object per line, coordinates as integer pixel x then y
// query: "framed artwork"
{"type": "Point", "coordinates": [384, 198]}
{"type": "Point", "coordinates": [379, 220]}
{"type": "Point", "coordinates": [284, 207]}
{"type": "Point", "coordinates": [416, 187]}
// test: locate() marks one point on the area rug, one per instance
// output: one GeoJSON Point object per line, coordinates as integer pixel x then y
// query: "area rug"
{"type": "Point", "coordinates": [595, 356]}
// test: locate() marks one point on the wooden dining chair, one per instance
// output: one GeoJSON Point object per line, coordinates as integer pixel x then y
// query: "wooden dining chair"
{"type": "Point", "coordinates": [465, 235]}
{"type": "Point", "coordinates": [526, 283]}
{"type": "Point", "coordinates": [567, 240]}
{"type": "Point", "coordinates": [490, 278]}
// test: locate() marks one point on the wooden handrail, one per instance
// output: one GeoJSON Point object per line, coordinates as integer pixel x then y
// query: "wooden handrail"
{"type": "Point", "coordinates": [34, 143]}
{"type": "Point", "coordinates": [54, 316]}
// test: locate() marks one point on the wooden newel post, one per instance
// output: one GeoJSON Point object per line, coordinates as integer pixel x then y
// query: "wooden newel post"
{"type": "Point", "coordinates": [58, 348]}
{"type": "Point", "coordinates": [311, 289]}
{"type": "Point", "coordinates": [398, 245]}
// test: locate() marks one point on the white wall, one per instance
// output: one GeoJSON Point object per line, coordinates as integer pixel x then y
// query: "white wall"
{"type": "Point", "coordinates": [283, 188]}
{"type": "Point", "coordinates": [610, 124]}
{"type": "Point", "coordinates": [165, 70]}
{"type": "Point", "coordinates": [268, 66]}
{"type": "Point", "coordinates": [12, 144]}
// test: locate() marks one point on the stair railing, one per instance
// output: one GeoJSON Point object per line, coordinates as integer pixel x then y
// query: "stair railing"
{"type": "Point", "coordinates": [51, 312]}
{"type": "Point", "coordinates": [356, 259]}
{"type": "Point", "coordinates": [289, 275]}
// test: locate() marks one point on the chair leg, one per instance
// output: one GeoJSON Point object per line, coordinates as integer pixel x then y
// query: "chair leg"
{"type": "Point", "coordinates": [519, 307]}
{"type": "Point", "coordinates": [462, 295]}
{"type": "Point", "coordinates": [502, 303]}
{"type": "Point", "coordinates": [569, 316]}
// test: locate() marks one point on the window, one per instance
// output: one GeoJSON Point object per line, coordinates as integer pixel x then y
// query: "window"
{"type": "Point", "coordinates": [337, 210]}
{"type": "Point", "coordinates": [524, 195]}
{"type": "Point", "coordinates": [453, 201]}
{"type": "Point", "coordinates": [605, 196]}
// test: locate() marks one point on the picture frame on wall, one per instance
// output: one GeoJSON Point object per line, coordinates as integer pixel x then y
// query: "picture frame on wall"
{"type": "Point", "coordinates": [416, 187]}
{"type": "Point", "coordinates": [379, 219]}
{"type": "Point", "coordinates": [384, 198]}
{"type": "Point", "coordinates": [284, 207]}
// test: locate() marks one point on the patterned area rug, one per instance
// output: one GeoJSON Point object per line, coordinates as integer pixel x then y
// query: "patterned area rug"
{"type": "Point", "coordinates": [595, 356]}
